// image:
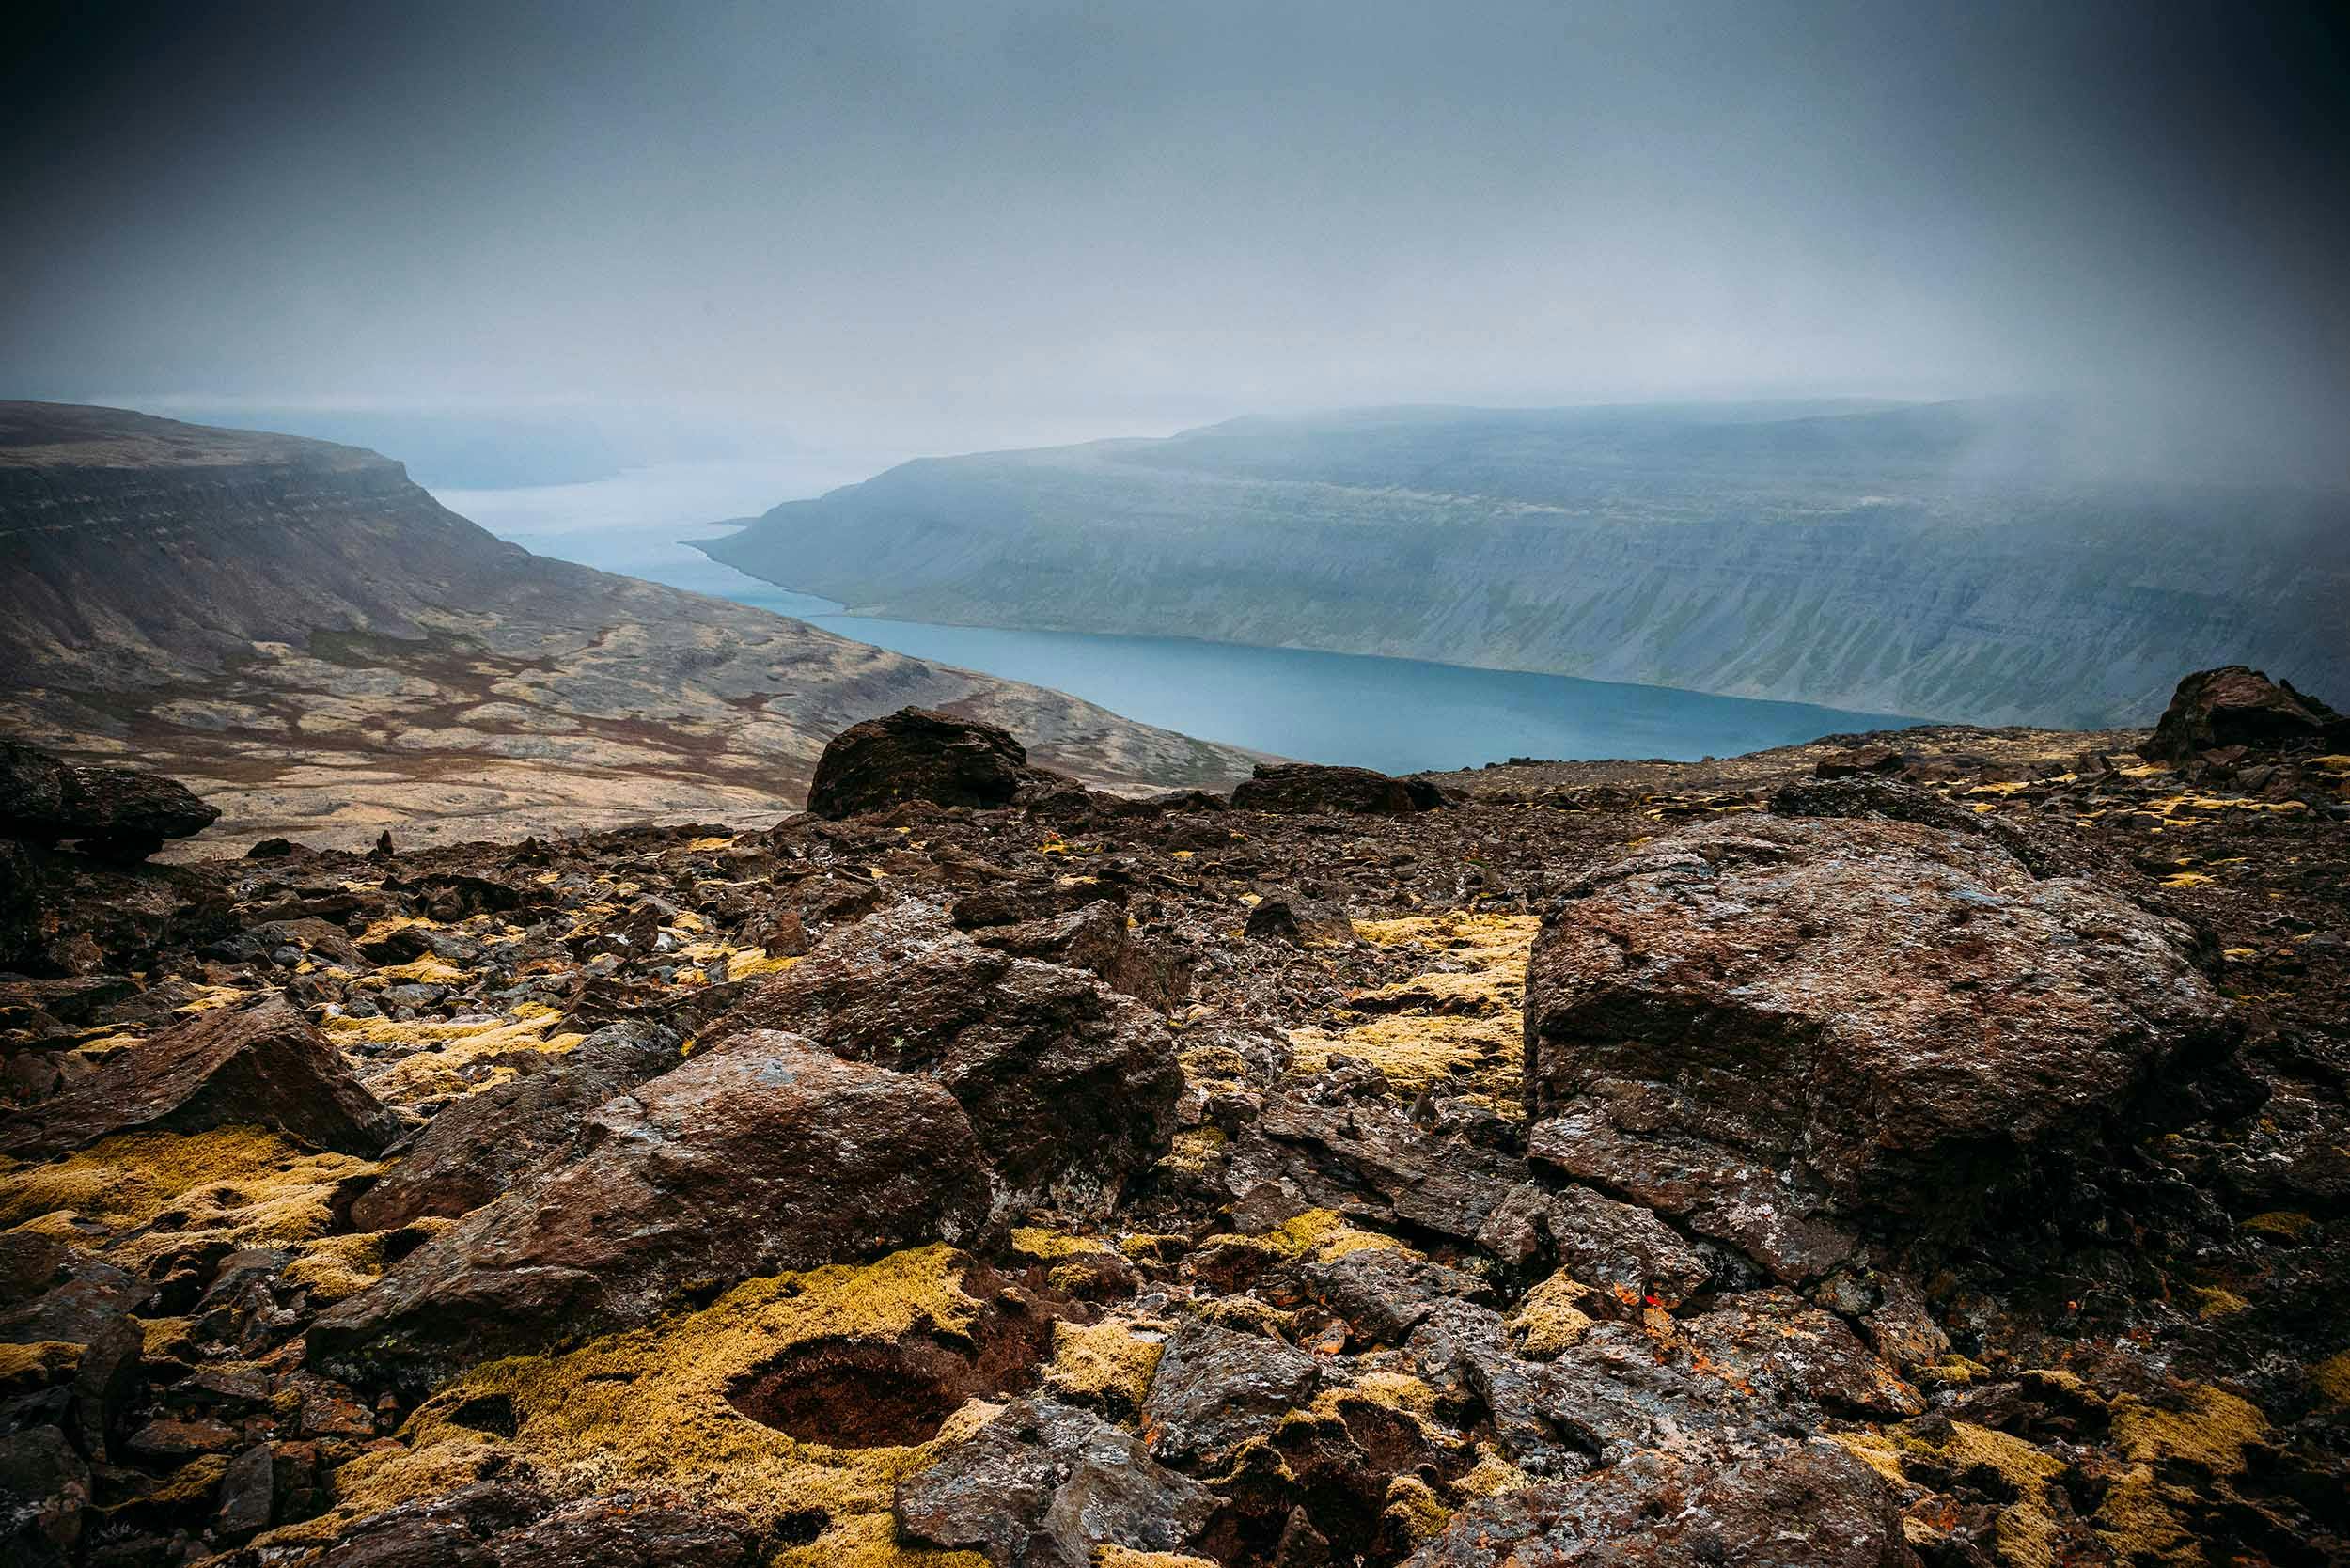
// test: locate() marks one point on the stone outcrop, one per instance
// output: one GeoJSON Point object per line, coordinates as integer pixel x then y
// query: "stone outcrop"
{"type": "Point", "coordinates": [1070, 1086]}
{"type": "Point", "coordinates": [1900, 1014]}
{"type": "Point", "coordinates": [918, 754]}
{"type": "Point", "coordinates": [112, 813]}
{"type": "Point", "coordinates": [2236, 706]}
{"type": "Point", "coordinates": [264, 1066]}
{"type": "Point", "coordinates": [1309, 787]}
{"type": "Point", "coordinates": [770, 1155]}
{"type": "Point", "coordinates": [476, 1148]}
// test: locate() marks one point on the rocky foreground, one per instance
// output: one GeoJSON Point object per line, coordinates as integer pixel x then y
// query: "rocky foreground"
{"type": "Point", "coordinates": [1927, 1147]}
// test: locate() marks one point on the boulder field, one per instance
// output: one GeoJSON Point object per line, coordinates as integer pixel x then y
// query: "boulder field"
{"type": "Point", "coordinates": [1910, 1150]}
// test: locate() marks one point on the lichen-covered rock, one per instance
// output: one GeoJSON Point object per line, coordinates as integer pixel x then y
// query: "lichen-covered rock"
{"type": "Point", "coordinates": [1215, 1389]}
{"type": "Point", "coordinates": [2235, 705]}
{"type": "Point", "coordinates": [479, 1145]}
{"type": "Point", "coordinates": [112, 813]}
{"type": "Point", "coordinates": [1903, 1016]}
{"type": "Point", "coordinates": [1779, 1506]}
{"type": "Point", "coordinates": [1070, 1086]}
{"type": "Point", "coordinates": [264, 1066]}
{"type": "Point", "coordinates": [1044, 1485]}
{"type": "Point", "coordinates": [772, 1154]}
{"type": "Point", "coordinates": [1310, 787]}
{"type": "Point", "coordinates": [918, 754]}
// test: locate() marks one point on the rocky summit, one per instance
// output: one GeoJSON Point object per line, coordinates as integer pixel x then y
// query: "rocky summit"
{"type": "Point", "coordinates": [1917, 1150]}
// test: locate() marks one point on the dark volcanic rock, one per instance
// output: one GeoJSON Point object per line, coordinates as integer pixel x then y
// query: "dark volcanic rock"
{"type": "Point", "coordinates": [1216, 1389]}
{"type": "Point", "coordinates": [1042, 1485]}
{"type": "Point", "coordinates": [115, 813]}
{"type": "Point", "coordinates": [1287, 917]}
{"type": "Point", "coordinates": [1779, 1506]}
{"type": "Point", "coordinates": [1071, 1087]}
{"type": "Point", "coordinates": [2235, 705]}
{"type": "Point", "coordinates": [770, 1155]}
{"type": "Point", "coordinates": [918, 754]}
{"type": "Point", "coordinates": [264, 1065]}
{"type": "Point", "coordinates": [475, 1150]}
{"type": "Point", "coordinates": [1903, 1013]}
{"type": "Point", "coordinates": [1309, 787]}
{"type": "Point", "coordinates": [1095, 938]}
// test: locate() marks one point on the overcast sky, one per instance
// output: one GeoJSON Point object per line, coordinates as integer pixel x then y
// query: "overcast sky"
{"type": "Point", "coordinates": [941, 227]}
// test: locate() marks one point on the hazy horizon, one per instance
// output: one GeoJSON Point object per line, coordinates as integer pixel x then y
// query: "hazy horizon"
{"type": "Point", "coordinates": [918, 227]}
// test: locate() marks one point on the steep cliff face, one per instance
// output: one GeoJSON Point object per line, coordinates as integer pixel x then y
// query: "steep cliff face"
{"type": "Point", "coordinates": [1922, 560]}
{"type": "Point", "coordinates": [321, 647]}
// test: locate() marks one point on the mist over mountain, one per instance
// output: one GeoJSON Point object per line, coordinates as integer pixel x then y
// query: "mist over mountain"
{"type": "Point", "coordinates": [1971, 561]}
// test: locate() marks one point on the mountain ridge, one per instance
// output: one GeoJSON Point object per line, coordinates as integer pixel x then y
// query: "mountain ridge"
{"type": "Point", "coordinates": [319, 645]}
{"type": "Point", "coordinates": [1943, 559]}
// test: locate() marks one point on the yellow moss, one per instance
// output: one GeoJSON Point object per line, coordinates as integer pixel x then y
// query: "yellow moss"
{"type": "Point", "coordinates": [2026, 1528]}
{"type": "Point", "coordinates": [1490, 1477]}
{"type": "Point", "coordinates": [1876, 1451]}
{"type": "Point", "coordinates": [2286, 1223]}
{"type": "Point", "coordinates": [428, 970]}
{"type": "Point", "coordinates": [1551, 1320]}
{"type": "Point", "coordinates": [2185, 879]}
{"type": "Point", "coordinates": [335, 1267]}
{"type": "Point", "coordinates": [2139, 1518]}
{"type": "Point", "coordinates": [1154, 1246]}
{"type": "Point", "coordinates": [1953, 1371]}
{"type": "Point", "coordinates": [647, 1408]}
{"type": "Point", "coordinates": [26, 1366]}
{"type": "Point", "coordinates": [1415, 1050]}
{"type": "Point", "coordinates": [256, 1186]}
{"type": "Point", "coordinates": [445, 1050]}
{"type": "Point", "coordinates": [1322, 1234]}
{"type": "Point", "coordinates": [870, 1541]}
{"type": "Point", "coordinates": [2211, 1431]}
{"type": "Point", "coordinates": [1048, 1246]}
{"type": "Point", "coordinates": [1127, 1557]}
{"type": "Point", "coordinates": [1247, 1313]}
{"type": "Point", "coordinates": [701, 846]}
{"type": "Point", "coordinates": [166, 1339]}
{"type": "Point", "coordinates": [1414, 1511]}
{"type": "Point", "coordinates": [2212, 1301]}
{"type": "Point", "coordinates": [1110, 1361]}
{"type": "Point", "coordinates": [1397, 1392]}
{"type": "Point", "coordinates": [1193, 1151]}
{"type": "Point", "coordinates": [2331, 1379]}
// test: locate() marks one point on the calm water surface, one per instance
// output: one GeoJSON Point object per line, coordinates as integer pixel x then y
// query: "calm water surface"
{"type": "Point", "coordinates": [1394, 714]}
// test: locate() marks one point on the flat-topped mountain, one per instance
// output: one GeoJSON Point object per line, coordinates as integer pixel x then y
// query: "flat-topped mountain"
{"type": "Point", "coordinates": [1944, 560]}
{"type": "Point", "coordinates": [319, 647]}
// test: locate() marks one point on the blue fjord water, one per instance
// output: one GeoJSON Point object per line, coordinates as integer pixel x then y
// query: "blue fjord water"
{"type": "Point", "coordinates": [1399, 715]}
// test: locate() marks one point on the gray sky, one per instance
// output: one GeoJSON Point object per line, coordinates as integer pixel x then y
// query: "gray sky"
{"type": "Point", "coordinates": [960, 224]}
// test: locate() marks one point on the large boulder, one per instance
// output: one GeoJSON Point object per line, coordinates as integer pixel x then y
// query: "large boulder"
{"type": "Point", "coordinates": [1898, 1015]}
{"type": "Point", "coordinates": [771, 1155]}
{"type": "Point", "coordinates": [918, 754]}
{"type": "Point", "coordinates": [2235, 705]}
{"type": "Point", "coordinates": [264, 1066]}
{"type": "Point", "coordinates": [115, 813]}
{"type": "Point", "coordinates": [1070, 1086]}
{"type": "Point", "coordinates": [481, 1144]}
{"type": "Point", "coordinates": [1312, 789]}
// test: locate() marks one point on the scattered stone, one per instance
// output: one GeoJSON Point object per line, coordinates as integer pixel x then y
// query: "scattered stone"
{"type": "Point", "coordinates": [2238, 706]}
{"type": "Point", "coordinates": [1958, 1029]}
{"type": "Point", "coordinates": [1288, 916]}
{"type": "Point", "coordinates": [1071, 1087]}
{"type": "Point", "coordinates": [769, 1155]}
{"type": "Point", "coordinates": [1044, 1485]}
{"type": "Point", "coordinates": [262, 1065]}
{"type": "Point", "coordinates": [1309, 787]}
{"type": "Point", "coordinates": [918, 754]}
